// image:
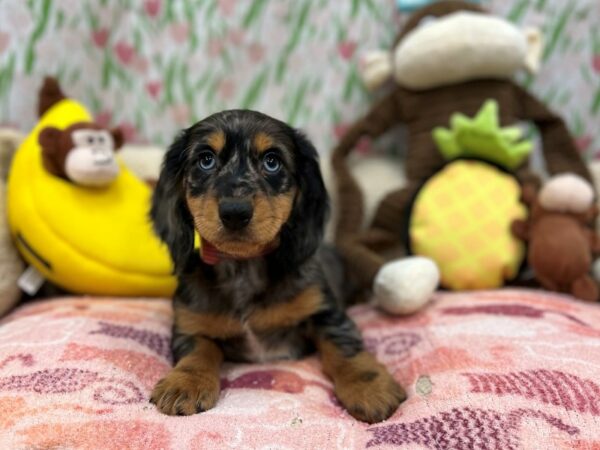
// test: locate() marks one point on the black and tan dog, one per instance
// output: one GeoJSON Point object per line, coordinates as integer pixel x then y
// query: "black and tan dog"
{"type": "Point", "coordinates": [262, 287]}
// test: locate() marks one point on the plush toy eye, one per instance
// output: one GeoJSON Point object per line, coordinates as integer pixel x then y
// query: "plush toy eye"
{"type": "Point", "coordinates": [207, 161]}
{"type": "Point", "coordinates": [101, 139]}
{"type": "Point", "coordinates": [90, 139]}
{"type": "Point", "coordinates": [271, 163]}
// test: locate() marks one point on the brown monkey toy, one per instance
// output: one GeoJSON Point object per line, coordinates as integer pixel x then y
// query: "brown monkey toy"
{"type": "Point", "coordinates": [560, 235]}
{"type": "Point", "coordinates": [83, 153]}
{"type": "Point", "coordinates": [465, 161]}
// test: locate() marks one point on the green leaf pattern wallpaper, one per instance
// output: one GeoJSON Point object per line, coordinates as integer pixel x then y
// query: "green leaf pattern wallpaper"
{"type": "Point", "coordinates": [155, 66]}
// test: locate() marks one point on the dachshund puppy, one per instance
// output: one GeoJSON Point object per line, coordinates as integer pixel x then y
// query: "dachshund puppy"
{"type": "Point", "coordinates": [262, 287]}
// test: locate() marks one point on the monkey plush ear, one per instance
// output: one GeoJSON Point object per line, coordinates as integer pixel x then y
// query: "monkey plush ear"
{"type": "Point", "coordinates": [49, 140]}
{"type": "Point", "coordinates": [118, 138]}
{"type": "Point", "coordinates": [535, 48]}
{"type": "Point", "coordinates": [375, 68]}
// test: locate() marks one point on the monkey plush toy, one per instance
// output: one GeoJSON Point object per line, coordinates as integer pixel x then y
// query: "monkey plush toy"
{"type": "Point", "coordinates": [83, 153]}
{"type": "Point", "coordinates": [561, 236]}
{"type": "Point", "coordinates": [76, 213]}
{"type": "Point", "coordinates": [451, 67]}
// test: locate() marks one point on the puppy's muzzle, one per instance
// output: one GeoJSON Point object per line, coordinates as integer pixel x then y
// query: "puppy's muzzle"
{"type": "Point", "coordinates": [235, 214]}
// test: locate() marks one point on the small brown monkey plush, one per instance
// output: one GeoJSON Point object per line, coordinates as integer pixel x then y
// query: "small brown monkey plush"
{"type": "Point", "coordinates": [84, 153]}
{"type": "Point", "coordinates": [560, 235]}
{"type": "Point", "coordinates": [440, 71]}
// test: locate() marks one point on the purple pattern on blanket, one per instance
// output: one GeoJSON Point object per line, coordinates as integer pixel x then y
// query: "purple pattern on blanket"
{"type": "Point", "coordinates": [548, 386]}
{"type": "Point", "coordinates": [158, 343]}
{"type": "Point", "coordinates": [273, 380]}
{"type": "Point", "coordinates": [508, 309]}
{"type": "Point", "coordinates": [67, 380]}
{"type": "Point", "coordinates": [25, 358]}
{"type": "Point", "coordinates": [397, 345]}
{"type": "Point", "coordinates": [477, 429]}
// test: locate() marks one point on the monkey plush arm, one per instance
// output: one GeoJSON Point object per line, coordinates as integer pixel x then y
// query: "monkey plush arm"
{"type": "Point", "coordinates": [593, 240]}
{"type": "Point", "coordinates": [560, 151]}
{"type": "Point", "coordinates": [520, 229]}
{"type": "Point", "coordinates": [382, 117]}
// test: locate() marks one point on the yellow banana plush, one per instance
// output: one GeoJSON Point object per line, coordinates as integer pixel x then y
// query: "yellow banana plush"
{"type": "Point", "coordinates": [96, 241]}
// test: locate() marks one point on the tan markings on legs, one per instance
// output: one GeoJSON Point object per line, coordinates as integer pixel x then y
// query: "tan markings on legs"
{"type": "Point", "coordinates": [362, 385]}
{"type": "Point", "coordinates": [193, 385]}
{"type": "Point", "coordinates": [289, 313]}
{"type": "Point", "coordinates": [218, 326]}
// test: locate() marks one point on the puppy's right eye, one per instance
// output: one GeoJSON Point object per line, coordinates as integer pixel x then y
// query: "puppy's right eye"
{"type": "Point", "coordinates": [207, 161]}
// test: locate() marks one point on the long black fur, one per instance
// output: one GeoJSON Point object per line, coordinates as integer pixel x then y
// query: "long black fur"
{"type": "Point", "coordinates": [239, 287]}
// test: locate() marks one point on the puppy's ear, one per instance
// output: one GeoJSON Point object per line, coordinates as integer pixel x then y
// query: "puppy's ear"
{"type": "Point", "coordinates": [303, 232]}
{"type": "Point", "coordinates": [172, 220]}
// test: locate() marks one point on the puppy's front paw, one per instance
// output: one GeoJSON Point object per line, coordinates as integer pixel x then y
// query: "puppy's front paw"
{"type": "Point", "coordinates": [370, 395]}
{"type": "Point", "coordinates": [185, 393]}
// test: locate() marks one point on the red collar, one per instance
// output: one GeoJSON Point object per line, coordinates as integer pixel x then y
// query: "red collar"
{"type": "Point", "coordinates": [211, 255]}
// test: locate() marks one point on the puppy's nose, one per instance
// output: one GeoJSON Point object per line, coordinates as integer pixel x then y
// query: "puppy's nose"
{"type": "Point", "coordinates": [235, 214]}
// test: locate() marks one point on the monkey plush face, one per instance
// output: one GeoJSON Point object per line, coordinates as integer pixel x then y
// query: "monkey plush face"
{"type": "Point", "coordinates": [452, 42]}
{"type": "Point", "coordinates": [84, 153]}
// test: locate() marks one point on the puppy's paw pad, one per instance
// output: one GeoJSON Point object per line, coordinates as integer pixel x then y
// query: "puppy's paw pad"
{"type": "Point", "coordinates": [183, 394]}
{"type": "Point", "coordinates": [371, 396]}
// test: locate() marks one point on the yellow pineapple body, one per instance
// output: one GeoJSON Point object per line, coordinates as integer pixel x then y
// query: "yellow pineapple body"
{"type": "Point", "coordinates": [461, 219]}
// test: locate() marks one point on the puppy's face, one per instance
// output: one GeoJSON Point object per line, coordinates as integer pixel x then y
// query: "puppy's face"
{"type": "Point", "coordinates": [240, 182]}
{"type": "Point", "coordinates": [247, 183]}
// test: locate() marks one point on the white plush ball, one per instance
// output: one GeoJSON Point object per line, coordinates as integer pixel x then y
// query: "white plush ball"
{"type": "Point", "coordinates": [405, 286]}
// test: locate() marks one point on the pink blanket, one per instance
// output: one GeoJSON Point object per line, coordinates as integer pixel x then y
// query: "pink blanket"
{"type": "Point", "coordinates": [500, 369]}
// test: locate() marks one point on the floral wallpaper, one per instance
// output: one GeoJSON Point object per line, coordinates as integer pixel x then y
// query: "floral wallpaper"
{"type": "Point", "coordinates": [156, 66]}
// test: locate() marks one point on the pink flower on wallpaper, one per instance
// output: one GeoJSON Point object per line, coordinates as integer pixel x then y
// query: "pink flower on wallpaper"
{"type": "Point", "coordinates": [140, 64]}
{"type": "Point", "coordinates": [583, 142]}
{"type": "Point", "coordinates": [179, 32]}
{"type": "Point", "coordinates": [346, 49]}
{"type": "Point", "coordinates": [339, 130]}
{"type": "Point", "coordinates": [236, 37]}
{"type": "Point", "coordinates": [181, 114]}
{"type": "Point", "coordinates": [214, 47]}
{"type": "Point", "coordinates": [104, 118]}
{"type": "Point", "coordinates": [227, 7]}
{"type": "Point", "coordinates": [363, 146]}
{"type": "Point", "coordinates": [129, 131]}
{"type": "Point", "coordinates": [125, 52]}
{"type": "Point", "coordinates": [152, 7]}
{"type": "Point", "coordinates": [100, 37]}
{"type": "Point", "coordinates": [4, 41]}
{"type": "Point", "coordinates": [226, 88]}
{"type": "Point", "coordinates": [256, 52]}
{"type": "Point", "coordinates": [596, 63]}
{"type": "Point", "coordinates": [153, 88]}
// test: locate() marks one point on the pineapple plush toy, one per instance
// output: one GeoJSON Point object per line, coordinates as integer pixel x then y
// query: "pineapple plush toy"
{"type": "Point", "coordinates": [472, 198]}
{"type": "Point", "coordinates": [451, 86]}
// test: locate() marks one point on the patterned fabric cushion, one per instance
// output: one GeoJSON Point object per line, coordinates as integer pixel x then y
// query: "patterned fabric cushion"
{"type": "Point", "coordinates": [494, 369]}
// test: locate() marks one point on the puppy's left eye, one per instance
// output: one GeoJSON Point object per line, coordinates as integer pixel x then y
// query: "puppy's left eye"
{"type": "Point", "coordinates": [207, 161]}
{"type": "Point", "coordinates": [271, 163]}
